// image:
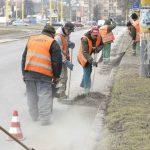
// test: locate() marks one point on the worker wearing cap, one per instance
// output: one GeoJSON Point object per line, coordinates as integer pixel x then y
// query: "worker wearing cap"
{"type": "Point", "coordinates": [135, 33]}
{"type": "Point", "coordinates": [132, 33]}
{"type": "Point", "coordinates": [107, 38]}
{"type": "Point", "coordinates": [62, 37]}
{"type": "Point", "coordinates": [41, 67]}
{"type": "Point", "coordinates": [90, 43]}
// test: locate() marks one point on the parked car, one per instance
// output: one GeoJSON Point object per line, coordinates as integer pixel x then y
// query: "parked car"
{"type": "Point", "coordinates": [91, 23]}
{"type": "Point", "coordinates": [19, 23]}
{"type": "Point", "coordinates": [78, 24]}
{"type": "Point", "coordinates": [56, 24]}
{"type": "Point", "coordinates": [100, 22]}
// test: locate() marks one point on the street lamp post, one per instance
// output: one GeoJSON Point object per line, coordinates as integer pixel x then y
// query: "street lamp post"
{"type": "Point", "coordinates": [50, 12]}
{"type": "Point", "coordinates": [57, 10]}
{"type": "Point", "coordinates": [61, 10]}
{"type": "Point", "coordinates": [16, 9]}
{"type": "Point", "coordinates": [42, 9]}
{"type": "Point", "coordinates": [6, 11]}
{"type": "Point", "coordinates": [22, 9]}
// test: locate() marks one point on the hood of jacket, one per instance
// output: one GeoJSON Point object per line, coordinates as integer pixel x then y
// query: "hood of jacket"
{"type": "Point", "coordinates": [60, 31]}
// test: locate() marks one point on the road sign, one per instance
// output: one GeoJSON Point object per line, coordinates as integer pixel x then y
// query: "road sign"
{"type": "Point", "coordinates": [136, 4]}
{"type": "Point", "coordinates": [145, 2]}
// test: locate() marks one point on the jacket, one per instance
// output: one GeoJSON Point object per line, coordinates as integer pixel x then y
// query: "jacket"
{"type": "Point", "coordinates": [55, 61]}
{"type": "Point", "coordinates": [63, 40]}
{"type": "Point", "coordinates": [85, 51]}
{"type": "Point", "coordinates": [107, 36]}
{"type": "Point", "coordinates": [136, 24]}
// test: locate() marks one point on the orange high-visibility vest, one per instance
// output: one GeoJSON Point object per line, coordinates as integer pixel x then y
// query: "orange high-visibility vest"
{"type": "Point", "coordinates": [136, 24]}
{"type": "Point", "coordinates": [82, 60]}
{"type": "Point", "coordinates": [38, 58]}
{"type": "Point", "coordinates": [64, 46]}
{"type": "Point", "coordinates": [106, 36]}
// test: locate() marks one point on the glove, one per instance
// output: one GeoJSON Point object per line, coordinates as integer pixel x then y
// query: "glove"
{"type": "Point", "coordinates": [97, 50]}
{"type": "Point", "coordinates": [110, 19]}
{"type": "Point", "coordinates": [68, 64]}
{"type": "Point", "coordinates": [95, 64]}
{"type": "Point", "coordinates": [23, 78]}
{"type": "Point", "coordinates": [71, 45]}
{"type": "Point", "coordinates": [55, 81]}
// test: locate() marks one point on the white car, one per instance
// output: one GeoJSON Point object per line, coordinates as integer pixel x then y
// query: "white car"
{"type": "Point", "coordinates": [19, 23]}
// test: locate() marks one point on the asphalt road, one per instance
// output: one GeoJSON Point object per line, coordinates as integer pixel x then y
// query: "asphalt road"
{"type": "Point", "coordinates": [70, 125]}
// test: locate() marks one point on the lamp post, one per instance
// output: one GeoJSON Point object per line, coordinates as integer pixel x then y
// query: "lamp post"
{"type": "Point", "coordinates": [50, 12]}
{"type": "Point", "coordinates": [57, 7]}
{"type": "Point", "coordinates": [6, 11]}
{"type": "Point", "coordinates": [16, 9]}
{"type": "Point", "coordinates": [22, 9]}
{"type": "Point", "coordinates": [61, 10]}
{"type": "Point", "coordinates": [42, 9]}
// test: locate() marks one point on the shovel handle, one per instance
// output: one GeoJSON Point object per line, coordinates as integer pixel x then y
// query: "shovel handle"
{"type": "Point", "coordinates": [20, 143]}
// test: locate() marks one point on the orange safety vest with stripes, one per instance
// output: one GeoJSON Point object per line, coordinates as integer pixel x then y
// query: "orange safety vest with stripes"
{"type": "Point", "coordinates": [38, 57]}
{"type": "Point", "coordinates": [82, 60]}
{"type": "Point", "coordinates": [106, 36]}
{"type": "Point", "coordinates": [64, 46]}
{"type": "Point", "coordinates": [136, 24]}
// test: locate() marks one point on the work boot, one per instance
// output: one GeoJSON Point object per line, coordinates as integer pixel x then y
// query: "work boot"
{"type": "Point", "coordinates": [86, 91]}
{"type": "Point", "coordinates": [62, 96]}
{"type": "Point", "coordinates": [134, 54]}
{"type": "Point", "coordinates": [82, 85]}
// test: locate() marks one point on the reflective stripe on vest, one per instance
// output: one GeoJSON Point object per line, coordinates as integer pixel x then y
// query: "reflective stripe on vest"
{"type": "Point", "coordinates": [38, 58]}
{"type": "Point", "coordinates": [64, 46]}
{"type": "Point", "coordinates": [137, 27]}
{"type": "Point", "coordinates": [82, 60]}
{"type": "Point", "coordinates": [106, 36]}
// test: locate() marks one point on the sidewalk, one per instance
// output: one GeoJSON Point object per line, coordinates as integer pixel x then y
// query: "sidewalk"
{"type": "Point", "coordinates": [127, 117]}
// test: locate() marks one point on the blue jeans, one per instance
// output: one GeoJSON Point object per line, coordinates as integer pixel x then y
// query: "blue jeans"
{"type": "Point", "coordinates": [86, 80]}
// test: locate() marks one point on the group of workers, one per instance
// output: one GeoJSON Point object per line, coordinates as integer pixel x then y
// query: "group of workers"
{"type": "Point", "coordinates": [46, 59]}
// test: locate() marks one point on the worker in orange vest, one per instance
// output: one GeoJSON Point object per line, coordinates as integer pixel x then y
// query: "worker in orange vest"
{"type": "Point", "coordinates": [90, 43]}
{"type": "Point", "coordinates": [107, 38]}
{"type": "Point", "coordinates": [132, 33]}
{"type": "Point", "coordinates": [62, 37]}
{"type": "Point", "coordinates": [136, 33]}
{"type": "Point", "coordinates": [41, 68]}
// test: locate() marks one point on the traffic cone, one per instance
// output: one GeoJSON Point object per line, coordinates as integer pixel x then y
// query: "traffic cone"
{"type": "Point", "coordinates": [15, 129]}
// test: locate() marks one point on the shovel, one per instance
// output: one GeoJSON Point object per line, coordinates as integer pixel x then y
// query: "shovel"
{"type": "Point", "coordinates": [16, 140]}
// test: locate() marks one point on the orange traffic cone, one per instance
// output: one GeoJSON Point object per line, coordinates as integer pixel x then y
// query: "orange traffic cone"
{"type": "Point", "coordinates": [15, 129]}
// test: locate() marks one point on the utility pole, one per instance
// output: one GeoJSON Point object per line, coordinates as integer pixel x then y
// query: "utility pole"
{"type": "Point", "coordinates": [22, 10]}
{"type": "Point", "coordinates": [61, 10]}
{"type": "Point", "coordinates": [50, 12]}
{"type": "Point", "coordinates": [42, 9]}
{"type": "Point", "coordinates": [6, 11]}
{"type": "Point", "coordinates": [57, 10]}
{"type": "Point", "coordinates": [16, 9]}
{"type": "Point", "coordinates": [145, 38]}
{"type": "Point", "coordinates": [70, 10]}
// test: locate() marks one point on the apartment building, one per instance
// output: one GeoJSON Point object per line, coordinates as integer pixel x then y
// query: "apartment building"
{"type": "Point", "coordinates": [112, 9]}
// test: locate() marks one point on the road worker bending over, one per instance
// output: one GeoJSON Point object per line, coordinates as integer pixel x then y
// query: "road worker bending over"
{"type": "Point", "coordinates": [41, 67]}
{"type": "Point", "coordinates": [135, 33]}
{"type": "Point", "coordinates": [107, 38]}
{"type": "Point", "coordinates": [132, 33]}
{"type": "Point", "coordinates": [62, 37]}
{"type": "Point", "coordinates": [90, 43]}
